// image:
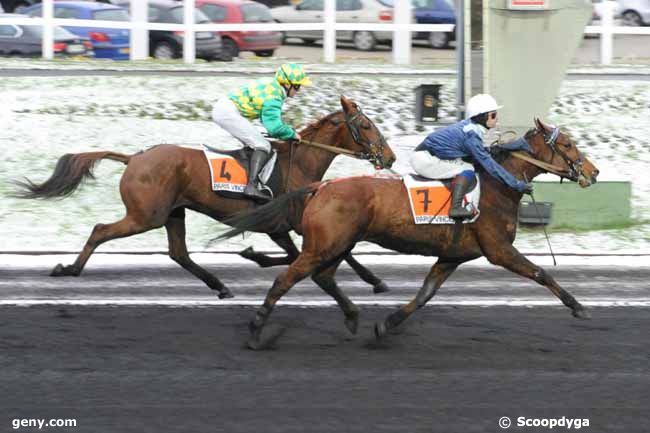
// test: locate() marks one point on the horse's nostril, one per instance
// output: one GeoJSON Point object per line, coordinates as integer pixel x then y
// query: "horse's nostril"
{"type": "Point", "coordinates": [595, 174]}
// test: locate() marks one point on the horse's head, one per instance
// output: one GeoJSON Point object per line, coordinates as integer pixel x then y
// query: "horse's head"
{"type": "Point", "coordinates": [364, 137]}
{"type": "Point", "coordinates": [558, 150]}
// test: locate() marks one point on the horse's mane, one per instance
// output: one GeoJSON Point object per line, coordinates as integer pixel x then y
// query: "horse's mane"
{"type": "Point", "coordinates": [500, 154]}
{"type": "Point", "coordinates": [310, 130]}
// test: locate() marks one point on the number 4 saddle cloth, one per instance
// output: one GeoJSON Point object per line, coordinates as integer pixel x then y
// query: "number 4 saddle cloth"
{"type": "Point", "coordinates": [229, 171]}
{"type": "Point", "coordinates": [431, 200]}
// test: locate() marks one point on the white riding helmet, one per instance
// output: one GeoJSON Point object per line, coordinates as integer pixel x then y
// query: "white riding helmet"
{"type": "Point", "coordinates": [479, 104]}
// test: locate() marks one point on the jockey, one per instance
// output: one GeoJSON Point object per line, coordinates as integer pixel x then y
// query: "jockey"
{"type": "Point", "coordinates": [441, 155]}
{"type": "Point", "coordinates": [261, 99]}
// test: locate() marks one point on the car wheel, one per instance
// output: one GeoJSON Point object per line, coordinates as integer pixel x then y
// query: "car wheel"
{"type": "Point", "coordinates": [309, 41]}
{"type": "Point", "coordinates": [439, 40]}
{"type": "Point", "coordinates": [364, 41]}
{"type": "Point", "coordinates": [229, 47]}
{"type": "Point", "coordinates": [631, 18]}
{"type": "Point", "coordinates": [264, 53]}
{"type": "Point", "coordinates": [164, 51]}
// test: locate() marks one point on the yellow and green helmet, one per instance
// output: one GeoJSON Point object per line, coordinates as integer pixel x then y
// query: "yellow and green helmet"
{"type": "Point", "coordinates": [292, 74]}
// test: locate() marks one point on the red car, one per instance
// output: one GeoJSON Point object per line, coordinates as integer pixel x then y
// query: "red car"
{"type": "Point", "coordinates": [262, 44]}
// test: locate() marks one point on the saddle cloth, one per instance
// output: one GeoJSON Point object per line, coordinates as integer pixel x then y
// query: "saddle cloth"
{"type": "Point", "coordinates": [431, 200]}
{"type": "Point", "coordinates": [229, 170]}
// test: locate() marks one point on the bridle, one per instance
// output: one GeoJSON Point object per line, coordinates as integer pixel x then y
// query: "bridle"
{"type": "Point", "coordinates": [550, 139]}
{"type": "Point", "coordinates": [374, 149]}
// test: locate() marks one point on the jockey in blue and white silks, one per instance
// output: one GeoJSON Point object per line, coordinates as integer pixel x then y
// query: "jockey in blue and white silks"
{"type": "Point", "coordinates": [443, 154]}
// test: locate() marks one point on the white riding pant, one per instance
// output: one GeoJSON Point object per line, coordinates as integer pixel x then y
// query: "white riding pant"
{"type": "Point", "coordinates": [226, 115]}
{"type": "Point", "coordinates": [428, 165]}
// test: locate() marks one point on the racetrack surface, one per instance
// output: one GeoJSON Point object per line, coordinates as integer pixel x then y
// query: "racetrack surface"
{"type": "Point", "coordinates": [450, 368]}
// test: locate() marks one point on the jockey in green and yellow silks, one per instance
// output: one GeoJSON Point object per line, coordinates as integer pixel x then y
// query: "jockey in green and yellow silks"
{"type": "Point", "coordinates": [261, 99]}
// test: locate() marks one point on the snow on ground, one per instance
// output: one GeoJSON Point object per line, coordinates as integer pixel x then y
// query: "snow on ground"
{"type": "Point", "coordinates": [41, 118]}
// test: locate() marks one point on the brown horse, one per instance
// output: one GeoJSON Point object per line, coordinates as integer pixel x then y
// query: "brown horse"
{"type": "Point", "coordinates": [161, 182]}
{"type": "Point", "coordinates": [338, 214]}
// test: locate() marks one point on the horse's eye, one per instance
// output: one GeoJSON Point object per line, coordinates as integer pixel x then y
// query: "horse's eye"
{"type": "Point", "coordinates": [365, 125]}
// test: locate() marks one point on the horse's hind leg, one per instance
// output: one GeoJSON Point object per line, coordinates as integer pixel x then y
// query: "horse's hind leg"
{"type": "Point", "coordinates": [437, 276]}
{"type": "Point", "coordinates": [101, 233]}
{"type": "Point", "coordinates": [175, 226]}
{"type": "Point", "coordinates": [325, 280]}
{"type": "Point", "coordinates": [265, 261]}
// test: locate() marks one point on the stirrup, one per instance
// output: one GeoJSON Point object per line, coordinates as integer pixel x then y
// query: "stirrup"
{"type": "Point", "coordinates": [256, 194]}
{"type": "Point", "coordinates": [460, 213]}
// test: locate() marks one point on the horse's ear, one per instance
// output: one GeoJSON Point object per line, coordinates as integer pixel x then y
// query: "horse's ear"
{"type": "Point", "coordinates": [348, 106]}
{"type": "Point", "coordinates": [540, 124]}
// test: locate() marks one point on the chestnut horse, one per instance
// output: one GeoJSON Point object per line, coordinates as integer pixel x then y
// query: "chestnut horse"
{"type": "Point", "coordinates": [160, 183]}
{"type": "Point", "coordinates": [337, 214]}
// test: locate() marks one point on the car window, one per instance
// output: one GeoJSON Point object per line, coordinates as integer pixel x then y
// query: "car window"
{"type": "Point", "coordinates": [388, 3]}
{"type": "Point", "coordinates": [37, 12]}
{"type": "Point", "coordinates": [153, 14]}
{"type": "Point", "coordinates": [446, 4]}
{"type": "Point", "coordinates": [311, 5]}
{"type": "Point", "coordinates": [214, 12]}
{"type": "Point", "coordinates": [255, 13]}
{"type": "Point", "coordinates": [63, 12]}
{"type": "Point", "coordinates": [111, 15]}
{"type": "Point", "coordinates": [422, 4]}
{"type": "Point", "coordinates": [348, 5]}
{"type": "Point", "coordinates": [177, 15]}
{"type": "Point", "coordinates": [8, 31]}
{"type": "Point", "coordinates": [59, 32]}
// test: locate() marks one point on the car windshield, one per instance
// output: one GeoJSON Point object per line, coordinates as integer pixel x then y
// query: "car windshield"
{"type": "Point", "coordinates": [59, 32]}
{"type": "Point", "coordinates": [255, 13]}
{"type": "Point", "coordinates": [177, 15]}
{"type": "Point", "coordinates": [111, 15]}
{"type": "Point", "coordinates": [389, 3]}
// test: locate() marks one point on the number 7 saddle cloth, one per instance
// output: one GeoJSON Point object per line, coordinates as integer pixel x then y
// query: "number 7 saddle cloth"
{"type": "Point", "coordinates": [229, 171]}
{"type": "Point", "coordinates": [431, 200]}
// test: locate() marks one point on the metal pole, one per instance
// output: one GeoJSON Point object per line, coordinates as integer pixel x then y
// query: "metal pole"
{"type": "Point", "coordinates": [606, 36]}
{"type": "Point", "coordinates": [48, 29]}
{"type": "Point", "coordinates": [329, 36]}
{"type": "Point", "coordinates": [401, 36]}
{"type": "Point", "coordinates": [189, 43]}
{"type": "Point", "coordinates": [460, 59]}
{"type": "Point", "coordinates": [139, 35]}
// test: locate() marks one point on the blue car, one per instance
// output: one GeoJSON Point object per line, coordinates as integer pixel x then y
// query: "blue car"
{"type": "Point", "coordinates": [435, 12]}
{"type": "Point", "coordinates": [107, 43]}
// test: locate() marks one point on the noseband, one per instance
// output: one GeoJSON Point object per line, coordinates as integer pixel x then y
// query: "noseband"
{"type": "Point", "coordinates": [575, 167]}
{"type": "Point", "coordinates": [374, 149]}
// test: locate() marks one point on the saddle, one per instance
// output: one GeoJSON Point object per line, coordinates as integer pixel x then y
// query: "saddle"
{"type": "Point", "coordinates": [229, 171]}
{"type": "Point", "coordinates": [430, 199]}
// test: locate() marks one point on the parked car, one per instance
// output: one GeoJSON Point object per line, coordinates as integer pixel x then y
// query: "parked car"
{"type": "Point", "coordinates": [435, 12]}
{"type": "Point", "coordinates": [107, 43]}
{"type": "Point", "coordinates": [262, 43]}
{"type": "Point", "coordinates": [16, 5]}
{"type": "Point", "coordinates": [635, 12]}
{"type": "Point", "coordinates": [27, 40]}
{"type": "Point", "coordinates": [164, 44]}
{"type": "Point", "coordinates": [347, 11]}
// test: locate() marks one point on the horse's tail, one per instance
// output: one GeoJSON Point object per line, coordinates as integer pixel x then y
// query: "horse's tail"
{"type": "Point", "coordinates": [278, 216]}
{"type": "Point", "coordinates": [70, 171]}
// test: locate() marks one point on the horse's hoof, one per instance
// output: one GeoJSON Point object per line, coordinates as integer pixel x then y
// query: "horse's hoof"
{"type": "Point", "coordinates": [352, 323]}
{"type": "Point", "coordinates": [247, 253]}
{"type": "Point", "coordinates": [380, 330]}
{"type": "Point", "coordinates": [63, 271]}
{"type": "Point", "coordinates": [581, 313]}
{"type": "Point", "coordinates": [265, 338]}
{"type": "Point", "coordinates": [225, 294]}
{"type": "Point", "coordinates": [381, 288]}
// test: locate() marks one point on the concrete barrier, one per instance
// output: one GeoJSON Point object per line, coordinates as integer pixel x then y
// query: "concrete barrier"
{"type": "Point", "coordinates": [603, 205]}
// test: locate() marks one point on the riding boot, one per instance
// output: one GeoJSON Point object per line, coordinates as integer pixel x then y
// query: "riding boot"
{"type": "Point", "coordinates": [258, 159]}
{"type": "Point", "coordinates": [460, 187]}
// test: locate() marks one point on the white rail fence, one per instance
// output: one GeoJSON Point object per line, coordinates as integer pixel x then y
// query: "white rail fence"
{"type": "Point", "coordinates": [401, 28]}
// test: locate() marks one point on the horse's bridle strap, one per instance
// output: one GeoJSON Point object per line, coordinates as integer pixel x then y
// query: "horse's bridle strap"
{"type": "Point", "coordinates": [333, 149]}
{"type": "Point", "coordinates": [541, 164]}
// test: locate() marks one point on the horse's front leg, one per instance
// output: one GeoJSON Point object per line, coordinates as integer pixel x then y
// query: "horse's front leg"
{"type": "Point", "coordinates": [284, 241]}
{"type": "Point", "coordinates": [378, 286]}
{"type": "Point", "coordinates": [508, 257]}
{"type": "Point", "coordinates": [437, 276]}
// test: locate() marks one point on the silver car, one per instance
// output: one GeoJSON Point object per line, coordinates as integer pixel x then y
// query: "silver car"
{"type": "Point", "coordinates": [635, 12]}
{"type": "Point", "coordinates": [347, 11]}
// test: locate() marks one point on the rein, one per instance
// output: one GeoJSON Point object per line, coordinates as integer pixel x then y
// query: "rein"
{"type": "Point", "coordinates": [541, 164]}
{"type": "Point", "coordinates": [333, 149]}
